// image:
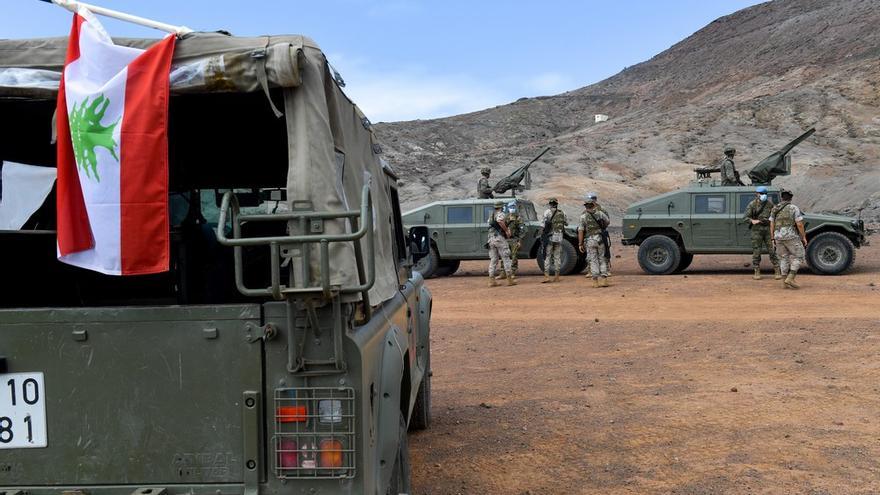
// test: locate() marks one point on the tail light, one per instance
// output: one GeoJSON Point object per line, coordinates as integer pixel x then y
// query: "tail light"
{"type": "Point", "coordinates": [288, 456]}
{"type": "Point", "coordinates": [292, 414]}
{"type": "Point", "coordinates": [330, 455]}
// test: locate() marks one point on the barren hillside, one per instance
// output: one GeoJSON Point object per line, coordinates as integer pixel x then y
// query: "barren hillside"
{"type": "Point", "coordinates": [754, 79]}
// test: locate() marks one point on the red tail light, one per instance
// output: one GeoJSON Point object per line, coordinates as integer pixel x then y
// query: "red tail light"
{"type": "Point", "coordinates": [287, 454]}
{"type": "Point", "coordinates": [292, 414]}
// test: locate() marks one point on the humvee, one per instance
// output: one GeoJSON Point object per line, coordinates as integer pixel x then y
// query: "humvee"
{"type": "Point", "coordinates": [458, 228]}
{"type": "Point", "coordinates": [707, 218]}
{"type": "Point", "coordinates": [287, 350]}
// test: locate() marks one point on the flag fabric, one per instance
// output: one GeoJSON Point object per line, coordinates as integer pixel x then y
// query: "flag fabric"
{"type": "Point", "coordinates": [112, 123]}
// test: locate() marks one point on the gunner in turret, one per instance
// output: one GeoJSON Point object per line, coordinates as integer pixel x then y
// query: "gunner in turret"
{"type": "Point", "coordinates": [728, 169]}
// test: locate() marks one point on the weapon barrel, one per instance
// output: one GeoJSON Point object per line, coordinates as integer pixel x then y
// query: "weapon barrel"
{"type": "Point", "coordinates": [788, 147]}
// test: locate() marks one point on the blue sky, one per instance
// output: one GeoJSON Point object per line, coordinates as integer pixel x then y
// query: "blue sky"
{"type": "Point", "coordinates": [408, 59]}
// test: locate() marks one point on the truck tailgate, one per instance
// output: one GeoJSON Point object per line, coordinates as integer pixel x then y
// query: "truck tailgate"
{"type": "Point", "coordinates": [146, 395]}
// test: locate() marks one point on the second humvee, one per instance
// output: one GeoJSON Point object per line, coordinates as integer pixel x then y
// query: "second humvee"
{"type": "Point", "coordinates": [707, 218]}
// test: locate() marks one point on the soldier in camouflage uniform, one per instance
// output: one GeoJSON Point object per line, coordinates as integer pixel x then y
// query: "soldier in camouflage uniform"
{"type": "Point", "coordinates": [728, 169]}
{"type": "Point", "coordinates": [555, 218]}
{"type": "Point", "coordinates": [789, 237]}
{"type": "Point", "coordinates": [595, 198]}
{"type": "Point", "coordinates": [758, 216]}
{"type": "Point", "coordinates": [484, 190]}
{"type": "Point", "coordinates": [592, 222]}
{"type": "Point", "coordinates": [517, 231]}
{"type": "Point", "coordinates": [498, 247]}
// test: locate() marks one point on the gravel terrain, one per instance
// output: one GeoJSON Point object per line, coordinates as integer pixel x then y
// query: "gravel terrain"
{"type": "Point", "coordinates": [700, 383]}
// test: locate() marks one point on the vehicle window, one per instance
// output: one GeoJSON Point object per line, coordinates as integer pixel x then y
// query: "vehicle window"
{"type": "Point", "coordinates": [459, 214]}
{"type": "Point", "coordinates": [774, 197]}
{"type": "Point", "coordinates": [710, 203]}
{"type": "Point", "coordinates": [528, 211]}
{"type": "Point", "coordinates": [744, 200]}
{"type": "Point", "coordinates": [487, 212]}
{"type": "Point", "coordinates": [399, 241]}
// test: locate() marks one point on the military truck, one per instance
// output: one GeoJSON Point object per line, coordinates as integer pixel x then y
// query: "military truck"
{"type": "Point", "coordinates": [458, 229]}
{"type": "Point", "coordinates": [707, 218]}
{"type": "Point", "coordinates": [287, 350]}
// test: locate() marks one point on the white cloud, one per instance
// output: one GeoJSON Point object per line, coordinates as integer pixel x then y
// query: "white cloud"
{"type": "Point", "coordinates": [413, 93]}
{"type": "Point", "coordinates": [549, 83]}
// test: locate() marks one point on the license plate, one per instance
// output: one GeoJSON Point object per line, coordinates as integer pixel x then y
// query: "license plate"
{"type": "Point", "coordinates": [22, 411]}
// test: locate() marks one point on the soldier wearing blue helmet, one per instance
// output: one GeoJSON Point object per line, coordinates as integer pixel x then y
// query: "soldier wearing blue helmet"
{"type": "Point", "coordinates": [757, 215]}
{"type": "Point", "coordinates": [517, 232]}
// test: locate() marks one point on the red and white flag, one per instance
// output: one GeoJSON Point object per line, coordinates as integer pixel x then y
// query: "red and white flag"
{"type": "Point", "coordinates": [112, 120]}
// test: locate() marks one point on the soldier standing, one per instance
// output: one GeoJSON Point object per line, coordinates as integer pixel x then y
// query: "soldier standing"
{"type": "Point", "coordinates": [593, 221]}
{"type": "Point", "coordinates": [498, 247]}
{"type": "Point", "coordinates": [728, 169]}
{"type": "Point", "coordinates": [517, 229]}
{"type": "Point", "coordinates": [554, 226]}
{"type": "Point", "coordinates": [758, 216]}
{"type": "Point", "coordinates": [595, 198]}
{"type": "Point", "coordinates": [484, 190]}
{"type": "Point", "coordinates": [789, 237]}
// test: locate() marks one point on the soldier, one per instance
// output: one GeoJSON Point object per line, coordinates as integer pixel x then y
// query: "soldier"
{"type": "Point", "coordinates": [554, 226]}
{"type": "Point", "coordinates": [498, 247]}
{"type": "Point", "coordinates": [595, 198]}
{"type": "Point", "coordinates": [728, 169]}
{"type": "Point", "coordinates": [758, 216]}
{"type": "Point", "coordinates": [789, 238]}
{"type": "Point", "coordinates": [593, 221]}
{"type": "Point", "coordinates": [484, 190]}
{"type": "Point", "coordinates": [517, 231]}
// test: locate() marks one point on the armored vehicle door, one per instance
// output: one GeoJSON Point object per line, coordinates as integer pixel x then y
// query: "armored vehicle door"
{"type": "Point", "coordinates": [459, 232]}
{"type": "Point", "coordinates": [743, 233]}
{"type": "Point", "coordinates": [711, 221]}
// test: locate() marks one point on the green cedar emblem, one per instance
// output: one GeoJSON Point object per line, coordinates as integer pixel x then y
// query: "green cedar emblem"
{"type": "Point", "coordinates": [87, 133]}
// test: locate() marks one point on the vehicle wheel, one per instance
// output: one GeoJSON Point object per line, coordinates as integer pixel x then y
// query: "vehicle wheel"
{"type": "Point", "coordinates": [569, 258]}
{"type": "Point", "coordinates": [447, 268]}
{"type": "Point", "coordinates": [684, 262]}
{"type": "Point", "coordinates": [400, 474]}
{"type": "Point", "coordinates": [428, 265]}
{"type": "Point", "coordinates": [421, 415]}
{"type": "Point", "coordinates": [830, 253]}
{"type": "Point", "coordinates": [659, 255]}
{"type": "Point", "coordinates": [581, 263]}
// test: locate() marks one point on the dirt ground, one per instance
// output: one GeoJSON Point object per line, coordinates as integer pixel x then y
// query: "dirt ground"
{"type": "Point", "coordinates": [705, 382]}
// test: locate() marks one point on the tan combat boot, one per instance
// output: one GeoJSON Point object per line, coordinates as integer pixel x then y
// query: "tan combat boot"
{"type": "Point", "coordinates": [757, 275]}
{"type": "Point", "coordinates": [556, 277]}
{"type": "Point", "coordinates": [546, 278]}
{"type": "Point", "coordinates": [777, 274]}
{"type": "Point", "coordinates": [502, 276]}
{"type": "Point", "coordinates": [595, 282]}
{"type": "Point", "coordinates": [603, 282]}
{"type": "Point", "coordinates": [789, 281]}
{"type": "Point", "coordinates": [511, 280]}
{"type": "Point", "coordinates": [492, 282]}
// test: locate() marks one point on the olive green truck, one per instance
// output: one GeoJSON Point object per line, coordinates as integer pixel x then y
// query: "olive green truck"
{"type": "Point", "coordinates": [287, 349]}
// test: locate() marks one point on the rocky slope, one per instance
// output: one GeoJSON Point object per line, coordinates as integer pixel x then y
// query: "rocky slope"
{"type": "Point", "coordinates": [754, 79]}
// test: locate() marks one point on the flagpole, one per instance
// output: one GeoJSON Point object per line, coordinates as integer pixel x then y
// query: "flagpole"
{"type": "Point", "coordinates": [73, 5]}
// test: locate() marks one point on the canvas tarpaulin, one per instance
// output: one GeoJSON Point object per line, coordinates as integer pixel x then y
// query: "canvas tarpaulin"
{"type": "Point", "coordinates": [330, 145]}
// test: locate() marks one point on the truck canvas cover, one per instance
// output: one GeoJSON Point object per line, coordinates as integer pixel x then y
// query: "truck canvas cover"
{"type": "Point", "coordinates": [235, 101]}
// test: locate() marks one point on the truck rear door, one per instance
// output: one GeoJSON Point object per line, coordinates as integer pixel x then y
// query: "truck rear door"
{"type": "Point", "coordinates": [128, 396]}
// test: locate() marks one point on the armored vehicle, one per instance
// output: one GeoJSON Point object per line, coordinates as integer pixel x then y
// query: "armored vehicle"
{"type": "Point", "coordinates": [707, 218]}
{"type": "Point", "coordinates": [286, 351]}
{"type": "Point", "coordinates": [458, 230]}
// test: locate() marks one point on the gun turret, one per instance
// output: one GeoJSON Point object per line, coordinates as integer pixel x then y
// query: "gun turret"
{"type": "Point", "coordinates": [778, 163]}
{"type": "Point", "coordinates": [514, 180]}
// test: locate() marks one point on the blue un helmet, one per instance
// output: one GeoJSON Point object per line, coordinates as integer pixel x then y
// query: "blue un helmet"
{"type": "Point", "coordinates": [761, 189]}
{"type": "Point", "coordinates": [511, 207]}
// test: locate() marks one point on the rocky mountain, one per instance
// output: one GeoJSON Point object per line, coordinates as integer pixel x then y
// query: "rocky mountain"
{"type": "Point", "coordinates": [754, 79]}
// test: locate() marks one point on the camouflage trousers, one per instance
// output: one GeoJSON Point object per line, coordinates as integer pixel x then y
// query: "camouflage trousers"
{"type": "Point", "coordinates": [760, 242]}
{"type": "Point", "coordinates": [596, 256]}
{"type": "Point", "coordinates": [791, 255]}
{"type": "Point", "coordinates": [553, 257]}
{"type": "Point", "coordinates": [498, 249]}
{"type": "Point", "coordinates": [514, 253]}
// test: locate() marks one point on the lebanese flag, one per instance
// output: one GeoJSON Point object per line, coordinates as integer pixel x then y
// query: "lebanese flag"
{"type": "Point", "coordinates": [112, 123]}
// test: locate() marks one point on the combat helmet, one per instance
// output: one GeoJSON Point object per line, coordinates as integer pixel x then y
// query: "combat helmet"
{"type": "Point", "coordinates": [485, 171]}
{"type": "Point", "coordinates": [498, 204]}
{"type": "Point", "coordinates": [552, 201]}
{"type": "Point", "coordinates": [729, 149]}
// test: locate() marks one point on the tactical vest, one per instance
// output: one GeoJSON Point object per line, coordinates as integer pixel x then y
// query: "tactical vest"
{"type": "Point", "coordinates": [783, 216]}
{"type": "Point", "coordinates": [514, 224]}
{"type": "Point", "coordinates": [558, 222]}
{"type": "Point", "coordinates": [591, 225]}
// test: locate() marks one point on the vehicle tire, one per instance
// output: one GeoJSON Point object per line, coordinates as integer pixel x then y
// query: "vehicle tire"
{"type": "Point", "coordinates": [421, 415]}
{"type": "Point", "coordinates": [684, 262]}
{"type": "Point", "coordinates": [830, 253]}
{"type": "Point", "coordinates": [581, 264]}
{"type": "Point", "coordinates": [659, 255]}
{"type": "Point", "coordinates": [400, 473]}
{"type": "Point", "coordinates": [428, 265]}
{"type": "Point", "coordinates": [569, 258]}
{"type": "Point", "coordinates": [447, 268]}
